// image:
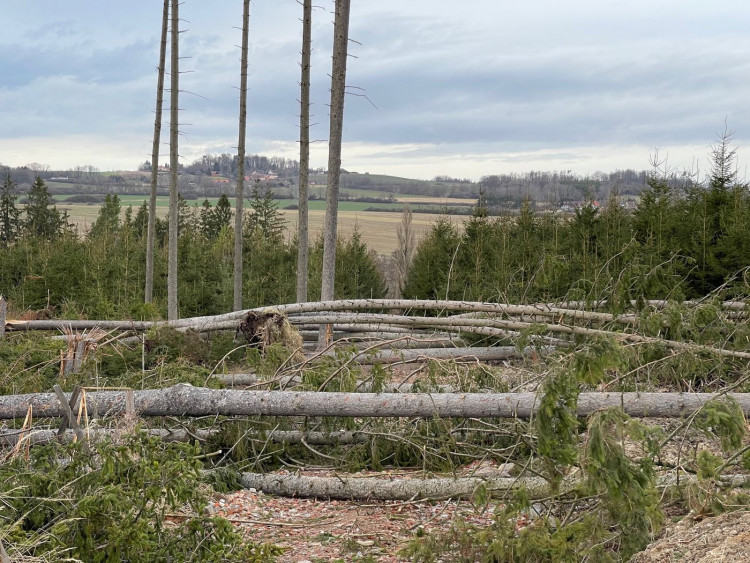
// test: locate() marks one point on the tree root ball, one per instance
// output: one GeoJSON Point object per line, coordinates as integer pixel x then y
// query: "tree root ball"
{"type": "Point", "coordinates": [264, 329]}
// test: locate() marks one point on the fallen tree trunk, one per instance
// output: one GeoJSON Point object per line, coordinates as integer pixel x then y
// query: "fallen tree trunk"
{"type": "Point", "coordinates": [52, 324]}
{"type": "Point", "coordinates": [373, 488]}
{"type": "Point", "coordinates": [229, 320]}
{"type": "Point", "coordinates": [285, 382]}
{"type": "Point", "coordinates": [378, 488]}
{"type": "Point", "coordinates": [466, 354]}
{"type": "Point", "coordinates": [186, 400]}
{"type": "Point", "coordinates": [502, 326]}
{"type": "Point", "coordinates": [45, 435]}
{"type": "Point", "coordinates": [10, 438]}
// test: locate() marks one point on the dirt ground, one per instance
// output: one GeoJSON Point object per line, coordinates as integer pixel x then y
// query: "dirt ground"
{"type": "Point", "coordinates": [317, 530]}
{"type": "Point", "coordinates": [721, 538]}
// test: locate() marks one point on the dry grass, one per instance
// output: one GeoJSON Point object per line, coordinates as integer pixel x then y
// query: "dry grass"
{"type": "Point", "coordinates": [378, 228]}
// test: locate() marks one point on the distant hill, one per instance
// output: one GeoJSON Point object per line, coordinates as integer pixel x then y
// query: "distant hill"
{"type": "Point", "coordinates": [213, 175]}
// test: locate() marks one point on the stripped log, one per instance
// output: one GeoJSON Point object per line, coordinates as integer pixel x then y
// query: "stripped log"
{"type": "Point", "coordinates": [287, 381]}
{"type": "Point", "coordinates": [466, 354]}
{"type": "Point", "coordinates": [10, 438]}
{"type": "Point", "coordinates": [501, 327]}
{"type": "Point", "coordinates": [186, 400]}
{"type": "Point", "coordinates": [372, 488]}
{"type": "Point", "coordinates": [3, 313]}
{"type": "Point", "coordinates": [53, 324]}
{"type": "Point", "coordinates": [229, 321]}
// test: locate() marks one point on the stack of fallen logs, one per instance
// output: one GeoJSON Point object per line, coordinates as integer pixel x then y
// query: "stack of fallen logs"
{"type": "Point", "coordinates": [407, 322]}
{"type": "Point", "coordinates": [188, 401]}
{"type": "Point", "coordinates": [385, 331]}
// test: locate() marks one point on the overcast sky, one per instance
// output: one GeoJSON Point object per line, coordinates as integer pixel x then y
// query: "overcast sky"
{"type": "Point", "coordinates": [460, 88]}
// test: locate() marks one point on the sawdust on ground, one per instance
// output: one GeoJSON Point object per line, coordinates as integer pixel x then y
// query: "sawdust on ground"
{"type": "Point", "coordinates": [720, 538]}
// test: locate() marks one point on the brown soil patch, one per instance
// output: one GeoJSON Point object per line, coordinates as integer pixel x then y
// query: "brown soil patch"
{"type": "Point", "coordinates": [329, 530]}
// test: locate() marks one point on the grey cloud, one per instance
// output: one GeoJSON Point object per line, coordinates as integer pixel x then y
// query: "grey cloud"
{"type": "Point", "coordinates": [492, 76]}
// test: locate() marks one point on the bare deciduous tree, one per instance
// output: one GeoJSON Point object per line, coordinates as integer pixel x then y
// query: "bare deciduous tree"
{"type": "Point", "coordinates": [151, 233]}
{"type": "Point", "coordinates": [338, 91]}
{"type": "Point", "coordinates": [405, 249]}
{"type": "Point", "coordinates": [174, 70]}
{"type": "Point", "coordinates": [304, 153]}
{"type": "Point", "coordinates": [239, 202]}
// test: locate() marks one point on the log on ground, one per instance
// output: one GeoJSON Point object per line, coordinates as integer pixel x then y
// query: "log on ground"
{"type": "Point", "coordinates": [373, 488]}
{"type": "Point", "coordinates": [186, 400]}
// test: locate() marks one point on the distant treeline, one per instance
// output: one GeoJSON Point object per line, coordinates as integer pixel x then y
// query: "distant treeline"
{"type": "Point", "coordinates": [202, 178]}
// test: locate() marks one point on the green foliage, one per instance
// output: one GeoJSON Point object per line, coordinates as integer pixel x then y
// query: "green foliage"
{"type": "Point", "coordinates": [510, 539]}
{"type": "Point", "coordinates": [724, 419]}
{"type": "Point", "coordinates": [591, 361]}
{"type": "Point", "coordinates": [556, 425]}
{"type": "Point", "coordinates": [266, 219]}
{"type": "Point", "coordinates": [631, 500]}
{"type": "Point", "coordinates": [10, 222]}
{"type": "Point", "coordinates": [214, 219]}
{"type": "Point", "coordinates": [28, 363]}
{"type": "Point", "coordinates": [108, 221]}
{"type": "Point", "coordinates": [43, 220]}
{"type": "Point", "coordinates": [708, 464]}
{"type": "Point", "coordinates": [676, 244]}
{"type": "Point", "coordinates": [428, 277]}
{"type": "Point", "coordinates": [112, 503]}
{"type": "Point", "coordinates": [357, 273]}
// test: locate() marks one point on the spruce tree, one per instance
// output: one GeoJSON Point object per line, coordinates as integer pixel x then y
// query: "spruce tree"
{"type": "Point", "coordinates": [214, 219]}
{"type": "Point", "coordinates": [10, 222]}
{"type": "Point", "coordinates": [140, 223]}
{"type": "Point", "coordinates": [42, 217]}
{"type": "Point", "coordinates": [266, 217]}
{"type": "Point", "coordinates": [108, 220]}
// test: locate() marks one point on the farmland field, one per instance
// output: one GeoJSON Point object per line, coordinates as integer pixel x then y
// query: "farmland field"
{"type": "Point", "coordinates": [377, 227]}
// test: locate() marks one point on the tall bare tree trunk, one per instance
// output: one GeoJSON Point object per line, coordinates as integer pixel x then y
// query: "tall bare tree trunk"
{"type": "Point", "coordinates": [405, 250]}
{"type": "Point", "coordinates": [239, 202]}
{"type": "Point", "coordinates": [338, 90]}
{"type": "Point", "coordinates": [174, 71]}
{"type": "Point", "coordinates": [151, 233]}
{"type": "Point", "coordinates": [304, 153]}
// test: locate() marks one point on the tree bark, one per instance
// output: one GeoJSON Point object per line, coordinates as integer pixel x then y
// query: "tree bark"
{"type": "Point", "coordinates": [405, 247]}
{"type": "Point", "coordinates": [374, 488]}
{"type": "Point", "coordinates": [33, 436]}
{"type": "Point", "coordinates": [289, 382]}
{"type": "Point", "coordinates": [543, 310]}
{"type": "Point", "coordinates": [467, 354]}
{"type": "Point", "coordinates": [338, 91]}
{"type": "Point", "coordinates": [3, 313]}
{"type": "Point", "coordinates": [186, 400]}
{"type": "Point", "coordinates": [151, 231]}
{"type": "Point", "coordinates": [174, 71]}
{"type": "Point", "coordinates": [239, 201]}
{"type": "Point", "coordinates": [304, 153]}
{"type": "Point", "coordinates": [377, 488]}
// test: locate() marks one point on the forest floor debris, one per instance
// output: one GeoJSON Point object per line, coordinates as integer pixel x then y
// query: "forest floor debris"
{"type": "Point", "coordinates": [330, 530]}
